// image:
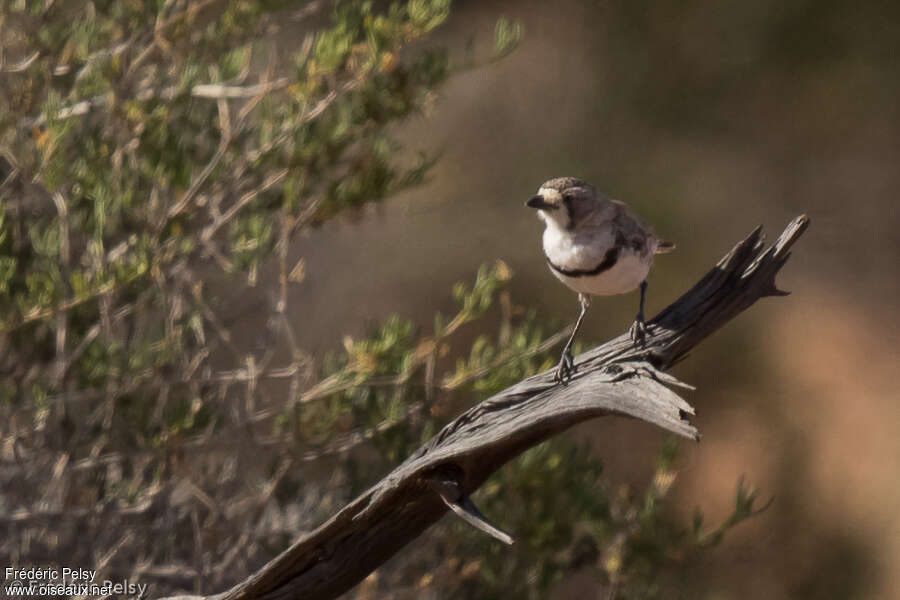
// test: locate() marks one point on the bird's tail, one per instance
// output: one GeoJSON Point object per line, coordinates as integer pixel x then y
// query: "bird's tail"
{"type": "Point", "coordinates": [663, 247]}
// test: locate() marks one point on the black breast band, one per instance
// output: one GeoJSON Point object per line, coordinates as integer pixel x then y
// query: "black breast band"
{"type": "Point", "coordinates": [609, 260]}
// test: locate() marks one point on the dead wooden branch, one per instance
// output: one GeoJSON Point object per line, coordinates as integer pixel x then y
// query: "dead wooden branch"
{"type": "Point", "coordinates": [614, 378]}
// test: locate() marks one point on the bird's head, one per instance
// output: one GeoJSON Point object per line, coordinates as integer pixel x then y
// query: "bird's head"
{"type": "Point", "coordinates": [566, 202]}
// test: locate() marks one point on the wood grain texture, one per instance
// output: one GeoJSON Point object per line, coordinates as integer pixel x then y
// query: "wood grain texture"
{"type": "Point", "coordinates": [614, 378]}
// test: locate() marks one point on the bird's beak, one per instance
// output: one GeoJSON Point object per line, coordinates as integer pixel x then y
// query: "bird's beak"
{"type": "Point", "coordinates": [538, 202]}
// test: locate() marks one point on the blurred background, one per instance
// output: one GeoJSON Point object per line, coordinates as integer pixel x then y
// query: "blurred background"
{"type": "Point", "coordinates": [708, 119]}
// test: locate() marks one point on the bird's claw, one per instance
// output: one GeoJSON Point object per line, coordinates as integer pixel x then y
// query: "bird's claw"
{"type": "Point", "coordinates": [638, 331]}
{"type": "Point", "coordinates": [565, 369]}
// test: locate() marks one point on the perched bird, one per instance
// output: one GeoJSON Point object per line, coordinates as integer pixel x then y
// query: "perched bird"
{"type": "Point", "coordinates": [596, 246]}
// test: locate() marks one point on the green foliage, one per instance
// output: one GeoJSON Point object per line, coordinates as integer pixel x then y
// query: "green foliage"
{"type": "Point", "coordinates": [146, 178]}
{"type": "Point", "coordinates": [154, 168]}
{"type": "Point", "coordinates": [546, 522]}
{"type": "Point", "coordinates": [507, 36]}
{"type": "Point", "coordinates": [567, 519]}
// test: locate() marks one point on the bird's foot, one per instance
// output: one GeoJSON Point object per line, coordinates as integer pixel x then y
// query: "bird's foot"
{"type": "Point", "coordinates": [638, 330]}
{"type": "Point", "coordinates": [565, 369]}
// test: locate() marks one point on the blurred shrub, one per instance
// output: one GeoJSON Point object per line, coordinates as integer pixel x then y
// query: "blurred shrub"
{"type": "Point", "coordinates": [155, 152]}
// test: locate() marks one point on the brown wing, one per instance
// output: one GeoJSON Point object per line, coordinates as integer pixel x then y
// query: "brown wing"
{"type": "Point", "coordinates": [634, 233]}
{"type": "Point", "coordinates": [630, 231]}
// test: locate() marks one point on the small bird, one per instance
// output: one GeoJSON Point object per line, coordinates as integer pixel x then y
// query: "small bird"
{"type": "Point", "coordinates": [596, 246]}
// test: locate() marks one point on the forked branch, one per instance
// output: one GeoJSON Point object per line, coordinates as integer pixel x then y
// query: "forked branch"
{"type": "Point", "coordinates": [614, 378]}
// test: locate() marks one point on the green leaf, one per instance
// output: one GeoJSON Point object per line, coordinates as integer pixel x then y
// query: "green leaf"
{"type": "Point", "coordinates": [507, 35]}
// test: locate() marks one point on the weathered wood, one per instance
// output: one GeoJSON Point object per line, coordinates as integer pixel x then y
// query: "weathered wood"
{"type": "Point", "coordinates": [614, 378]}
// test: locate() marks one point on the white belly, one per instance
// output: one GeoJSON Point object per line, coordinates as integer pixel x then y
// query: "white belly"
{"type": "Point", "coordinates": [626, 275]}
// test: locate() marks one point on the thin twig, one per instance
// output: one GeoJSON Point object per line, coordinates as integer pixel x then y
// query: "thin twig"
{"type": "Point", "coordinates": [221, 91]}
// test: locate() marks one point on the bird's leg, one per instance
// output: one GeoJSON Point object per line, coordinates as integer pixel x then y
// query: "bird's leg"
{"type": "Point", "coordinates": [638, 329]}
{"type": "Point", "coordinates": [566, 362]}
